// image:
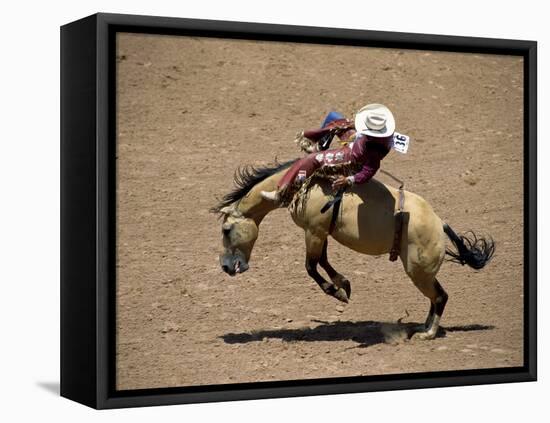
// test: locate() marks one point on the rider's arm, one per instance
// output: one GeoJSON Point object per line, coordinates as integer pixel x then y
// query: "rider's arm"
{"type": "Point", "coordinates": [371, 165]}
{"type": "Point", "coordinates": [370, 154]}
{"type": "Point", "coordinates": [336, 126]}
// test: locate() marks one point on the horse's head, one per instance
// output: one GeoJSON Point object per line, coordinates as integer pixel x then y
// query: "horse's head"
{"type": "Point", "coordinates": [239, 231]}
{"type": "Point", "coordinates": [239, 235]}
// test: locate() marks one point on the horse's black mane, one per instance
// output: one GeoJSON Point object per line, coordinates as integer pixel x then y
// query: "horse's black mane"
{"type": "Point", "coordinates": [245, 178]}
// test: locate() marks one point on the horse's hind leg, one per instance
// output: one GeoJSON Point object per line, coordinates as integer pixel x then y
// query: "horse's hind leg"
{"type": "Point", "coordinates": [430, 317]}
{"type": "Point", "coordinates": [314, 251]}
{"type": "Point", "coordinates": [337, 278]}
{"type": "Point", "coordinates": [432, 289]}
{"type": "Point", "coordinates": [422, 256]}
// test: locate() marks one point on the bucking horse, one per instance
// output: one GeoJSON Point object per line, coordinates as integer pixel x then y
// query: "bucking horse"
{"type": "Point", "coordinates": [365, 223]}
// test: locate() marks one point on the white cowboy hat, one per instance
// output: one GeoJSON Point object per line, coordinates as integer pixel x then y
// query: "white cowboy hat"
{"type": "Point", "coordinates": [375, 120]}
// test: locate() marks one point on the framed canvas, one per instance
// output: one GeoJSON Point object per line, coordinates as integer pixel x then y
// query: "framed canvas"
{"type": "Point", "coordinates": [415, 154]}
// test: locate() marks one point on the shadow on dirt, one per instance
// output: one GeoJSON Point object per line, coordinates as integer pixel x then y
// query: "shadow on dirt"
{"type": "Point", "coordinates": [366, 333]}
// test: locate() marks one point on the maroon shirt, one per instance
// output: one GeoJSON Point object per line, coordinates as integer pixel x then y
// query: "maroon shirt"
{"type": "Point", "coordinates": [369, 151]}
{"type": "Point", "coordinates": [366, 151]}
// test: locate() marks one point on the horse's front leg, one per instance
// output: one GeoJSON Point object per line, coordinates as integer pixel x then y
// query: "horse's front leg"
{"type": "Point", "coordinates": [337, 278]}
{"type": "Point", "coordinates": [314, 251]}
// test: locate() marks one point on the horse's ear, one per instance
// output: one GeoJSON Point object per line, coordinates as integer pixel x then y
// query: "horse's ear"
{"type": "Point", "coordinates": [226, 210]}
{"type": "Point", "coordinates": [231, 211]}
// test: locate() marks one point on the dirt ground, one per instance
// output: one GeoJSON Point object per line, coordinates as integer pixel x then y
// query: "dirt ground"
{"type": "Point", "coordinates": [191, 110]}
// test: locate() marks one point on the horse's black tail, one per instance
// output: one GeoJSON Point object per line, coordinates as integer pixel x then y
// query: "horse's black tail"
{"type": "Point", "coordinates": [472, 250]}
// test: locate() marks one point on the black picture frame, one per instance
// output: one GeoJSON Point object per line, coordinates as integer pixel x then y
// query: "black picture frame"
{"type": "Point", "coordinates": [88, 200]}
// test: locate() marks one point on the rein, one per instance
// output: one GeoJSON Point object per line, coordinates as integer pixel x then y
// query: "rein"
{"type": "Point", "coordinates": [336, 202]}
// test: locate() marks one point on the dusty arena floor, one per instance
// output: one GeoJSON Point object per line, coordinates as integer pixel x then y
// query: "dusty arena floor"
{"type": "Point", "coordinates": [191, 110]}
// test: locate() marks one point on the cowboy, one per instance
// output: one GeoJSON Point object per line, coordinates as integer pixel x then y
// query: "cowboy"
{"type": "Point", "coordinates": [373, 137]}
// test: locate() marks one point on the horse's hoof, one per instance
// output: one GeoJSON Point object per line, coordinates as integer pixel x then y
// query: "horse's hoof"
{"type": "Point", "coordinates": [347, 287]}
{"type": "Point", "coordinates": [424, 335]}
{"type": "Point", "coordinates": [342, 282]}
{"type": "Point", "coordinates": [341, 295]}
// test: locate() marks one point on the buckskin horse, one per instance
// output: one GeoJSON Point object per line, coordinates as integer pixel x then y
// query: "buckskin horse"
{"type": "Point", "coordinates": [365, 223]}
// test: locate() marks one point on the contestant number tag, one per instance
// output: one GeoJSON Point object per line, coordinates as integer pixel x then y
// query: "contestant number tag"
{"type": "Point", "coordinates": [400, 142]}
